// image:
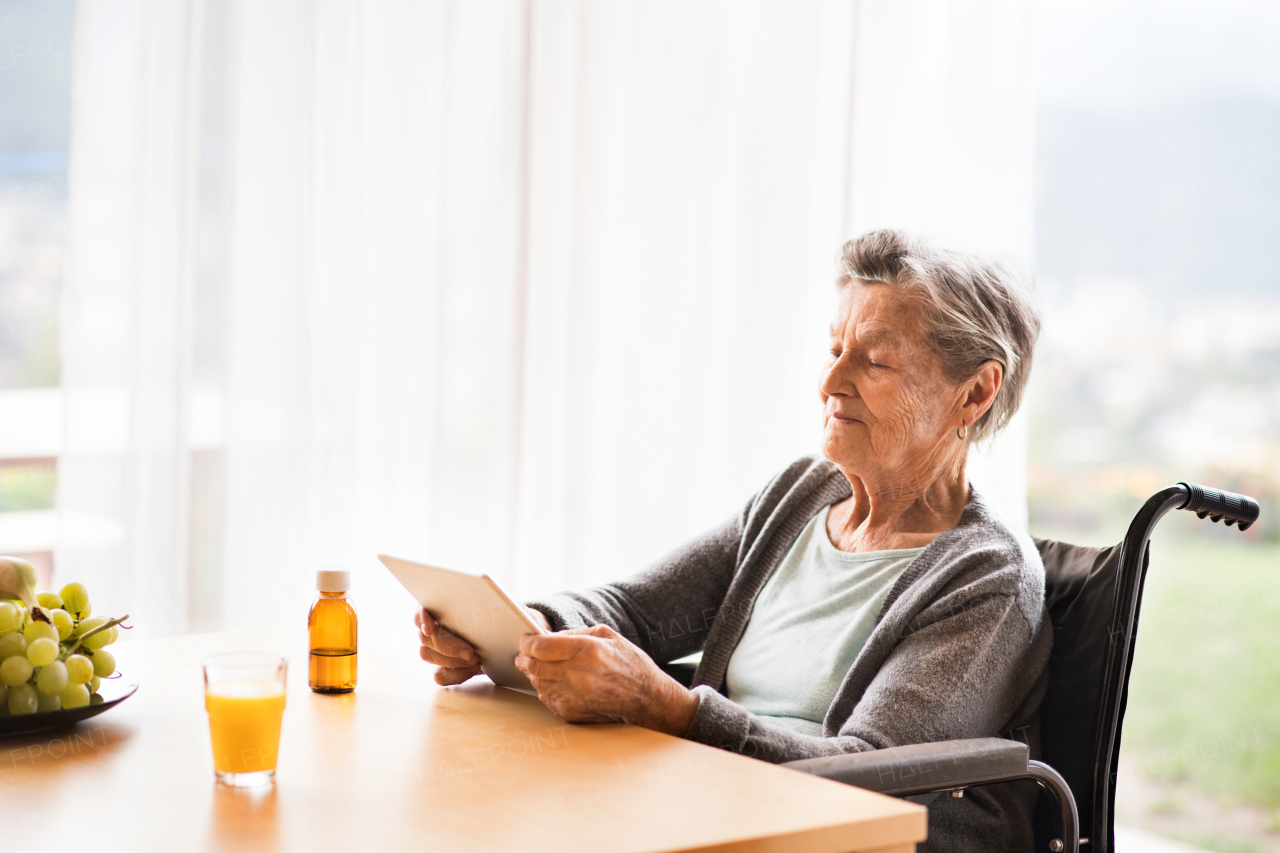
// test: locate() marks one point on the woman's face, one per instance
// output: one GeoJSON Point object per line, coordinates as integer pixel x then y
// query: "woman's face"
{"type": "Point", "coordinates": [887, 408]}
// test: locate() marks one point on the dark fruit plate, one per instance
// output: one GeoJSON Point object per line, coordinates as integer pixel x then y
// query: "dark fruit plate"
{"type": "Point", "coordinates": [113, 691]}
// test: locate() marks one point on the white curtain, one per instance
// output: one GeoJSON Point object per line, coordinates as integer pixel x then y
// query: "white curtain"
{"type": "Point", "coordinates": [532, 288]}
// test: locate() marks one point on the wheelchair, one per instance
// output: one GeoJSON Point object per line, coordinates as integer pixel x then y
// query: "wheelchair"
{"type": "Point", "coordinates": [1093, 597]}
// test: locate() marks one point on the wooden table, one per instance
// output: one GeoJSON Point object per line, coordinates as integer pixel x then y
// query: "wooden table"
{"type": "Point", "coordinates": [402, 764]}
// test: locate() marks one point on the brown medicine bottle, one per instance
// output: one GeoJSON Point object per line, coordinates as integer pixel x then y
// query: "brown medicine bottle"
{"type": "Point", "coordinates": [332, 623]}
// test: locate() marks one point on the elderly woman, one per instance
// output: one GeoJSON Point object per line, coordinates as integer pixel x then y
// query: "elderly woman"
{"type": "Point", "coordinates": [863, 600]}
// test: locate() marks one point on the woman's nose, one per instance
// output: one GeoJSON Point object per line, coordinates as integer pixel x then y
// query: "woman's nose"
{"type": "Point", "coordinates": [834, 379]}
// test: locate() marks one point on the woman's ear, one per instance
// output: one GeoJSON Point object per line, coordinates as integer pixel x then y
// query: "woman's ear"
{"type": "Point", "coordinates": [983, 388]}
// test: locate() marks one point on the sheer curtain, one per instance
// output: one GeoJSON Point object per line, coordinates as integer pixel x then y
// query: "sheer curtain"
{"type": "Point", "coordinates": [538, 289]}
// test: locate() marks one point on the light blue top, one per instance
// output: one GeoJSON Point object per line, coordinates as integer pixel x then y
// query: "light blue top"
{"type": "Point", "coordinates": [807, 627]}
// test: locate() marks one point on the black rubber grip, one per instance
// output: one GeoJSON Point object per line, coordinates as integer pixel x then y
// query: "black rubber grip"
{"type": "Point", "coordinates": [1218, 505]}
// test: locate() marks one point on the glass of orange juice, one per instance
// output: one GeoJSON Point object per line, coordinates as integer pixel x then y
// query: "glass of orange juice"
{"type": "Point", "coordinates": [244, 695]}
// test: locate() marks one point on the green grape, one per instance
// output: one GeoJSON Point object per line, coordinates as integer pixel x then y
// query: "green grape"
{"type": "Point", "coordinates": [98, 640]}
{"type": "Point", "coordinates": [50, 600]}
{"type": "Point", "coordinates": [115, 634]}
{"type": "Point", "coordinates": [35, 630]}
{"type": "Point", "coordinates": [79, 669]}
{"type": "Point", "coordinates": [94, 682]}
{"type": "Point", "coordinates": [52, 678]}
{"type": "Point", "coordinates": [104, 663]}
{"type": "Point", "coordinates": [42, 652]}
{"type": "Point", "coordinates": [16, 670]}
{"type": "Point", "coordinates": [75, 696]}
{"type": "Point", "coordinates": [95, 699]}
{"type": "Point", "coordinates": [12, 644]}
{"type": "Point", "coordinates": [63, 622]}
{"type": "Point", "coordinates": [10, 618]}
{"type": "Point", "coordinates": [4, 694]}
{"type": "Point", "coordinates": [75, 600]}
{"type": "Point", "coordinates": [23, 698]}
{"type": "Point", "coordinates": [47, 703]}
{"type": "Point", "coordinates": [87, 625]}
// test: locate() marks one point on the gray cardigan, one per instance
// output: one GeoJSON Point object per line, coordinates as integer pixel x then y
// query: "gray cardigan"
{"type": "Point", "coordinates": [959, 649]}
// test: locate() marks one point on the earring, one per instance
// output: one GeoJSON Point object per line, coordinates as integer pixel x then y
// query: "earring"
{"type": "Point", "coordinates": [962, 431]}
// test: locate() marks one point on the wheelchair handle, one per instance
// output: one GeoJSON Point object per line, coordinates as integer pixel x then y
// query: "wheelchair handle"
{"type": "Point", "coordinates": [1132, 570]}
{"type": "Point", "coordinates": [1227, 507]}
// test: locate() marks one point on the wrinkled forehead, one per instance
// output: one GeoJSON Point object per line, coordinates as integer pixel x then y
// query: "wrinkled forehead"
{"type": "Point", "coordinates": [873, 311]}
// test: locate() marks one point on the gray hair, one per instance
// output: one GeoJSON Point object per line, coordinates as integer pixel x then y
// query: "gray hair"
{"type": "Point", "coordinates": [975, 311]}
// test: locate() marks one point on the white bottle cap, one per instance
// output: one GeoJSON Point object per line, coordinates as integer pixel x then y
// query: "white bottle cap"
{"type": "Point", "coordinates": [333, 581]}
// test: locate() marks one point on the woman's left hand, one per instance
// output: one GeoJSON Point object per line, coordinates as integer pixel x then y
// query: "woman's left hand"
{"type": "Point", "coordinates": [595, 675]}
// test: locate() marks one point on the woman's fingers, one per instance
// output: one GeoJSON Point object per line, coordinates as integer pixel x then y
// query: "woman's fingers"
{"type": "Point", "coordinates": [544, 670]}
{"type": "Point", "coordinates": [448, 656]}
{"type": "Point", "coordinates": [561, 698]}
{"type": "Point", "coordinates": [565, 645]}
{"type": "Point", "coordinates": [455, 650]}
{"type": "Point", "coordinates": [448, 675]}
{"type": "Point", "coordinates": [455, 658]}
{"type": "Point", "coordinates": [434, 654]}
{"type": "Point", "coordinates": [431, 655]}
{"type": "Point", "coordinates": [569, 708]}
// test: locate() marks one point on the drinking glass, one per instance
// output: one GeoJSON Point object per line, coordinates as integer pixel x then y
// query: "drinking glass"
{"type": "Point", "coordinates": [244, 695]}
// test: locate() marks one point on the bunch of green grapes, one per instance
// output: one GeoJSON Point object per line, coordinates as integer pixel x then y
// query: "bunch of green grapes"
{"type": "Point", "coordinates": [54, 654]}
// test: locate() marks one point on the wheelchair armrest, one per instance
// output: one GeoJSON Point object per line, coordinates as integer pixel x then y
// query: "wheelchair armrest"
{"type": "Point", "coordinates": [922, 767]}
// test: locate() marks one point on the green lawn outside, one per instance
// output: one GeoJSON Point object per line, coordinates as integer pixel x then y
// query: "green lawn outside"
{"type": "Point", "coordinates": [1204, 700]}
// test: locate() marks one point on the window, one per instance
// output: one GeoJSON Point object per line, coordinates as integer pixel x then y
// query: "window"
{"type": "Point", "coordinates": [1157, 206]}
{"type": "Point", "coordinates": [35, 101]}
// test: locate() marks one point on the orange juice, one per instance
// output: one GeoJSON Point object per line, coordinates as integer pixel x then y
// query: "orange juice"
{"type": "Point", "coordinates": [244, 724]}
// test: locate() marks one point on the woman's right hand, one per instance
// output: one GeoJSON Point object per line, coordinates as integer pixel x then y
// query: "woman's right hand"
{"type": "Point", "coordinates": [456, 659]}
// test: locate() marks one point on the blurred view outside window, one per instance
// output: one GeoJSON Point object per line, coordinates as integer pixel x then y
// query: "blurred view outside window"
{"type": "Point", "coordinates": [1157, 215]}
{"type": "Point", "coordinates": [35, 102]}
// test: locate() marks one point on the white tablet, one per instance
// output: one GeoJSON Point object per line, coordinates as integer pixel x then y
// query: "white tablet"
{"type": "Point", "coordinates": [476, 609]}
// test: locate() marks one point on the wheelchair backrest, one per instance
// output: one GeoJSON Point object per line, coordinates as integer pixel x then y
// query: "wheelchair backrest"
{"type": "Point", "coordinates": [1080, 587]}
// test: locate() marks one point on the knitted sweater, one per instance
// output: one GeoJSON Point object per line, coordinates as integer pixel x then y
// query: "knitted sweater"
{"type": "Point", "coordinates": [959, 649]}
